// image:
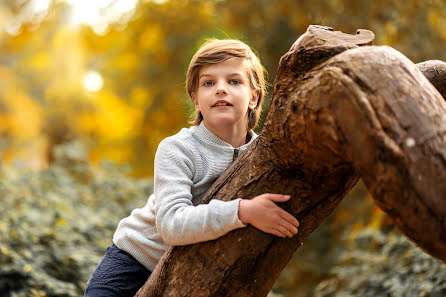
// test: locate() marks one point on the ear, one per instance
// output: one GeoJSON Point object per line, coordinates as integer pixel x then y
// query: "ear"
{"type": "Point", "coordinates": [254, 99]}
{"type": "Point", "coordinates": [195, 101]}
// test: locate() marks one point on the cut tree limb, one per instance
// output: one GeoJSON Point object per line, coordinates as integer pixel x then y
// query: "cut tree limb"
{"type": "Point", "coordinates": [435, 72]}
{"type": "Point", "coordinates": [339, 111]}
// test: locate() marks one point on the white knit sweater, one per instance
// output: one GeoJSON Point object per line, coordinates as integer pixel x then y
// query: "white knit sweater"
{"type": "Point", "coordinates": [186, 165]}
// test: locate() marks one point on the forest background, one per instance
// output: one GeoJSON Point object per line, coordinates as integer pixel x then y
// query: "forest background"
{"type": "Point", "coordinates": [82, 82]}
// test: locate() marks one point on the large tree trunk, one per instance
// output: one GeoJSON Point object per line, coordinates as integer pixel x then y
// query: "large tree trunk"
{"type": "Point", "coordinates": [339, 111]}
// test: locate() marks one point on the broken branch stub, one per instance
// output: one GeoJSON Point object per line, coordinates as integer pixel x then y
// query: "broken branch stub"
{"type": "Point", "coordinates": [435, 72]}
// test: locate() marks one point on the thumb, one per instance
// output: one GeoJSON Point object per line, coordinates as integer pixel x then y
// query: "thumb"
{"type": "Point", "coordinates": [278, 197]}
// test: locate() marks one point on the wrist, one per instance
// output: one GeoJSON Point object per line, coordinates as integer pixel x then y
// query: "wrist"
{"type": "Point", "coordinates": [242, 211]}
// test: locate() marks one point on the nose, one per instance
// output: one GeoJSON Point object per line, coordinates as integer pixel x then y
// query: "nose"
{"type": "Point", "coordinates": [220, 89]}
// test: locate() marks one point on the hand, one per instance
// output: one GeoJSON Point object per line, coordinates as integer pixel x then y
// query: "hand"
{"type": "Point", "coordinates": [265, 215]}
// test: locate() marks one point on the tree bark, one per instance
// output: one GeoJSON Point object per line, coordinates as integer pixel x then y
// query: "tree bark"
{"type": "Point", "coordinates": [435, 72]}
{"type": "Point", "coordinates": [340, 109]}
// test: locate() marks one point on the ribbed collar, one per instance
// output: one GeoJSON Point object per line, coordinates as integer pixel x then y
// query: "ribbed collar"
{"type": "Point", "coordinates": [204, 134]}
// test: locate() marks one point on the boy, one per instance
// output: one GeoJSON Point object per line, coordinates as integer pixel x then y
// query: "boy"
{"type": "Point", "coordinates": [226, 84]}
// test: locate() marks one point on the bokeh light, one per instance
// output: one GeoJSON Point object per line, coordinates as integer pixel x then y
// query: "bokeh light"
{"type": "Point", "coordinates": [13, 14]}
{"type": "Point", "coordinates": [93, 81]}
{"type": "Point", "coordinates": [100, 14]}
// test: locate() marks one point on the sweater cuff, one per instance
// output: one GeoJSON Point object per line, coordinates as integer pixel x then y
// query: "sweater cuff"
{"type": "Point", "coordinates": [227, 214]}
{"type": "Point", "coordinates": [241, 225]}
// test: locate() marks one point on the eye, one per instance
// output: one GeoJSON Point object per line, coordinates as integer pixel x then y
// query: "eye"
{"type": "Point", "coordinates": [235, 82]}
{"type": "Point", "coordinates": [208, 83]}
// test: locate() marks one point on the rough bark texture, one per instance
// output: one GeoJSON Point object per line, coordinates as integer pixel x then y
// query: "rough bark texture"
{"type": "Point", "coordinates": [339, 111]}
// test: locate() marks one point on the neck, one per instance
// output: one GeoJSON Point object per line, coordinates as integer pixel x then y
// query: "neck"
{"type": "Point", "coordinates": [235, 137]}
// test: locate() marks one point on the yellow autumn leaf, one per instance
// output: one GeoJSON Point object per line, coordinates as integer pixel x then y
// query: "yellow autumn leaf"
{"type": "Point", "coordinates": [27, 268]}
{"type": "Point", "coordinates": [116, 119]}
{"type": "Point", "coordinates": [151, 38]}
{"type": "Point", "coordinates": [434, 17]}
{"type": "Point", "coordinates": [140, 96]}
{"type": "Point", "coordinates": [39, 61]}
{"type": "Point", "coordinates": [25, 116]}
{"type": "Point", "coordinates": [4, 251]}
{"type": "Point", "coordinates": [126, 62]}
{"type": "Point", "coordinates": [61, 222]}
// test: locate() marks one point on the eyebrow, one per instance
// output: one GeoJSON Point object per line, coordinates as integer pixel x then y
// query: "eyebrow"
{"type": "Point", "coordinates": [232, 74]}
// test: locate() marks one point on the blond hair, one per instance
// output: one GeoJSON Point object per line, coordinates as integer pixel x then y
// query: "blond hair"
{"type": "Point", "coordinates": [215, 51]}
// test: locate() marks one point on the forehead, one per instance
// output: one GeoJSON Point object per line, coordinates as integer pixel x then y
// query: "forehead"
{"type": "Point", "coordinates": [228, 67]}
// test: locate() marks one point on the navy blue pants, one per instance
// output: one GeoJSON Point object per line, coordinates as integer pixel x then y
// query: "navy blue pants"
{"type": "Point", "coordinates": [118, 274]}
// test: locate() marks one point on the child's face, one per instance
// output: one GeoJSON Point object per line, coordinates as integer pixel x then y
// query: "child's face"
{"type": "Point", "coordinates": [224, 95]}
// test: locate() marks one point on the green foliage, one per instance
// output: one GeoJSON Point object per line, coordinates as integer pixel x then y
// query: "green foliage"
{"type": "Point", "coordinates": [384, 263]}
{"type": "Point", "coordinates": [358, 251]}
{"type": "Point", "coordinates": [56, 223]}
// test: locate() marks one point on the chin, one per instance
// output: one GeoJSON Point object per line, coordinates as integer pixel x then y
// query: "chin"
{"type": "Point", "coordinates": [225, 121]}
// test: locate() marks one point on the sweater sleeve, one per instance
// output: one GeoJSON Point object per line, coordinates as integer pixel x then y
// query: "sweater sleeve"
{"type": "Point", "coordinates": [178, 221]}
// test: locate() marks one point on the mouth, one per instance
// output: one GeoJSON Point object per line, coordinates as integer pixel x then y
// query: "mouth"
{"type": "Point", "coordinates": [221, 103]}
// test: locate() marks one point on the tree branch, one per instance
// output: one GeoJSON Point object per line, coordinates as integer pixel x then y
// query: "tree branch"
{"type": "Point", "coordinates": [338, 111]}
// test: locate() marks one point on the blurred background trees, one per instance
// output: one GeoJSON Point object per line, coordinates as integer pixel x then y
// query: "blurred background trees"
{"type": "Point", "coordinates": [111, 72]}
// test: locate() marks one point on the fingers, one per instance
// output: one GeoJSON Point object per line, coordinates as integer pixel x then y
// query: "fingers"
{"type": "Point", "coordinates": [278, 232]}
{"type": "Point", "coordinates": [277, 197]}
{"type": "Point", "coordinates": [282, 228]}
{"type": "Point", "coordinates": [277, 221]}
{"type": "Point", "coordinates": [287, 223]}
{"type": "Point", "coordinates": [289, 218]}
{"type": "Point", "coordinates": [289, 229]}
{"type": "Point", "coordinates": [283, 231]}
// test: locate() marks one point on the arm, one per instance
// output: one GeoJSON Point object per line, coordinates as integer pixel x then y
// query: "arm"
{"type": "Point", "coordinates": [178, 221]}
